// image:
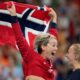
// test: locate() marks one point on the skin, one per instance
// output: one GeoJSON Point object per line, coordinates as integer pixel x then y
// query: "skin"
{"type": "Point", "coordinates": [71, 54]}
{"type": "Point", "coordinates": [49, 49]}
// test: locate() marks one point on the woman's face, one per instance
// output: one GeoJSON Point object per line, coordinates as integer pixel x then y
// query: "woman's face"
{"type": "Point", "coordinates": [51, 48]}
{"type": "Point", "coordinates": [71, 55]}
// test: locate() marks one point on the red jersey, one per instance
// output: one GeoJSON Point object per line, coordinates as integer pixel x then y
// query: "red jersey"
{"type": "Point", "coordinates": [33, 63]}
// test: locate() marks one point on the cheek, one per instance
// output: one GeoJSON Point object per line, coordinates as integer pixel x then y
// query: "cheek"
{"type": "Point", "coordinates": [48, 48]}
{"type": "Point", "coordinates": [71, 56]}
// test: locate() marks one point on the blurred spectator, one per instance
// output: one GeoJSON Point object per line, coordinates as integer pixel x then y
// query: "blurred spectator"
{"type": "Point", "coordinates": [63, 68]}
{"type": "Point", "coordinates": [74, 58]}
{"type": "Point", "coordinates": [34, 2]}
{"type": "Point", "coordinates": [9, 69]}
{"type": "Point", "coordinates": [46, 2]}
{"type": "Point", "coordinates": [1, 71]}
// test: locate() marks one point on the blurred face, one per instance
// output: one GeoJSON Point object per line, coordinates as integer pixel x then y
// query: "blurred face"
{"type": "Point", "coordinates": [51, 48]}
{"type": "Point", "coordinates": [71, 55]}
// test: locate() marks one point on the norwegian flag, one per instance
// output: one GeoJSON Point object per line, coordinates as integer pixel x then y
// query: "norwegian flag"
{"type": "Point", "coordinates": [33, 20]}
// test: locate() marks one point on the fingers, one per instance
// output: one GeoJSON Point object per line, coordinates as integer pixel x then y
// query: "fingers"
{"type": "Point", "coordinates": [11, 8]}
{"type": "Point", "coordinates": [53, 15]}
{"type": "Point", "coordinates": [49, 9]}
{"type": "Point", "coordinates": [10, 4]}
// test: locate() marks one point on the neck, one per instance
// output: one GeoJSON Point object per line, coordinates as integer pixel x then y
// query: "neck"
{"type": "Point", "coordinates": [43, 54]}
{"type": "Point", "coordinates": [76, 65]}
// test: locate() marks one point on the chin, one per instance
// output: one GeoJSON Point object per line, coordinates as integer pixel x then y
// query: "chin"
{"type": "Point", "coordinates": [53, 58]}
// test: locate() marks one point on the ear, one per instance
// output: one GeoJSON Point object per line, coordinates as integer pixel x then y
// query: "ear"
{"type": "Point", "coordinates": [43, 47]}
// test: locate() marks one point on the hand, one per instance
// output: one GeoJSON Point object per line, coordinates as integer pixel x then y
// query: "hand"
{"type": "Point", "coordinates": [11, 8]}
{"type": "Point", "coordinates": [53, 15]}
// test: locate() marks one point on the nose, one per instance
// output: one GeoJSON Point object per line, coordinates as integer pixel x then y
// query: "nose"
{"type": "Point", "coordinates": [56, 48]}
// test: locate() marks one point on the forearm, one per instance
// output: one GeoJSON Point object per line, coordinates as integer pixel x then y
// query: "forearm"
{"type": "Point", "coordinates": [16, 28]}
{"type": "Point", "coordinates": [53, 15]}
{"type": "Point", "coordinates": [54, 19]}
{"type": "Point", "coordinates": [53, 29]}
{"type": "Point", "coordinates": [20, 40]}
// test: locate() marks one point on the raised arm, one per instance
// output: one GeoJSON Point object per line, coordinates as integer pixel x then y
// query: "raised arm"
{"type": "Point", "coordinates": [53, 15]}
{"type": "Point", "coordinates": [53, 25]}
{"type": "Point", "coordinates": [21, 41]}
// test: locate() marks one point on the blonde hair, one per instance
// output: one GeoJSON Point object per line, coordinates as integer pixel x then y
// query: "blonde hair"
{"type": "Point", "coordinates": [42, 39]}
{"type": "Point", "coordinates": [77, 51]}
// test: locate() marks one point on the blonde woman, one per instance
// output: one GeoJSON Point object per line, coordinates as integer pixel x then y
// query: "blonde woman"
{"type": "Point", "coordinates": [74, 57]}
{"type": "Point", "coordinates": [37, 64]}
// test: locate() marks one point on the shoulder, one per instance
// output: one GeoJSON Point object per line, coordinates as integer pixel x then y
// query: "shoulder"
{"type": "Point", "coordinates": [75, 75]}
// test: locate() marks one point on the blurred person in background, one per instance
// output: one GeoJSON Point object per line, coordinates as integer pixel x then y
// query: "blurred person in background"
{"type": "Point", "coordinates": [74, 57]}
{"type": "Point", "coordinates": [37, 65]}
{"type": "Point", "coordinates": [63, 67]}
{"type": "Point", "coordinates": [14, 70]}
{"type": "Point", "coordinates": [1, 72]}
{"type": "Point", "coordinates": [60, 67]}
{"type": "Point", "coordinates": [9, 51]}
{"type": "Point", "coordinates": [46, 2]}
{"type": "Point", "coordinates": [1, 66]}
{"type": "Point", "coordinates": [34, 2]}
{"type": "Point", "coordinates": [9, 68]}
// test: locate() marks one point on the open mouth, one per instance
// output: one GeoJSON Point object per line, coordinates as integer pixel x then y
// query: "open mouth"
{"type": "Point", "coordinates": [52, 54]}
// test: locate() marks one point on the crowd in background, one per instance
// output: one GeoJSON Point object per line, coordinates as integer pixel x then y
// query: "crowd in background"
{"type": "Point", "coordinates": [68, 12]}
{"type": "Point", "coordinates": [10, 63]}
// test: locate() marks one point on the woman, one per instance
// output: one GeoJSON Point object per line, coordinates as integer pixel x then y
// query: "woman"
{"type": "Point", "coordinates": [74, 57]}
{"type": "Point", "coordinates": [36, 63]}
